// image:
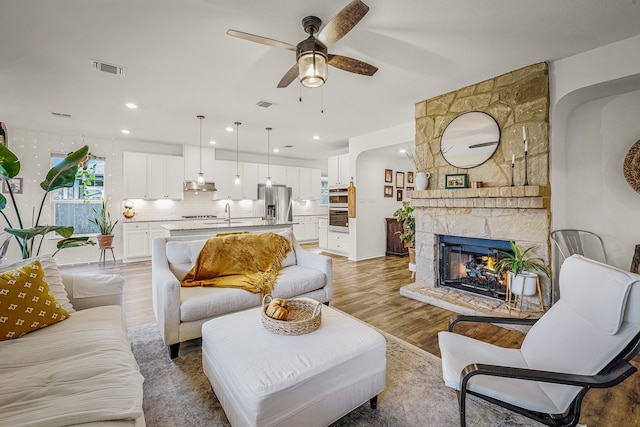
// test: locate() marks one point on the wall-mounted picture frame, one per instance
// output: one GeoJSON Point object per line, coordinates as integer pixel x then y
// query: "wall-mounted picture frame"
{"type": "Point", "coordinates": [409, 177]}
{"type": "Point", "coordinates": [456, 180]}
{"type": "Point", "coordinates": [4, 139]}
{"type": "Point", "coordinates": [15, 183]}
{"type": "Point", "coordinates": [388, 191]}
{"type": "Point", "coordinates": [410, 188]}
{"type": "Point", "coordinates": [399, 195]}
{"type": "Point", "coordinates": [388, 175]}
{"type": "Point", "coordinates": [399, 179]}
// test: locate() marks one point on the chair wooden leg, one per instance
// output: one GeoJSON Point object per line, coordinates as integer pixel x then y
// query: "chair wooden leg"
{"type": "Point", "coordinates": [174, 350]}
{"type": "Point", "coordinates": [374, 402]}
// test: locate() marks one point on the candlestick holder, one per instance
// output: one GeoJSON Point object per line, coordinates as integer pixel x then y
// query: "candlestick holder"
{"type": "Point", "coordinates": [526, 175]}
{"type": "Point", "coordinates": [513, 166]}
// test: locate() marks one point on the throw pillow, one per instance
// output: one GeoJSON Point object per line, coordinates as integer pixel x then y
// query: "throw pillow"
{"type": "Point", "coordinates": [26, 304]}
{"type": "Point", "coordinates": [52, 276]}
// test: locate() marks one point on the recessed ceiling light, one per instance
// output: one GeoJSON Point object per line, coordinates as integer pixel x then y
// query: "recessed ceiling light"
{"type": "Point", "coordinates": [125, 131]}
{"type": "Point", "coordinates": [131, 105]}
{"type": "Point", "coordinates": [212, 142]}
{"type": "Point", "coordinates": [316, 137]}
{"type": "Point", "coordinates": [229, 129]}
{"type": "Point", "coordinates": [276, 150]}
{"type": "Point", "coordinates": [402, 150]}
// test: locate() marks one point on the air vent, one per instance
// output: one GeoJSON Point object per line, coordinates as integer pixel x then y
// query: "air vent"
{"type": "Point", "coordinates": [265, 104]}
{"type": "Point", "coordinates": [108, 68]}
{"type": "Point", "coordinates": [288, 146]}
{"type": "Point", "coordinates": [62, 115]}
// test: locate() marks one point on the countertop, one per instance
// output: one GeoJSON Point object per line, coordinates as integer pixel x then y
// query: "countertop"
{"type": "Point", "coordinates": [219, 223]}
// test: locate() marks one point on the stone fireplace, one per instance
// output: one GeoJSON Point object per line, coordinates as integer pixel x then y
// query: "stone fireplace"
{"type": "Point", "coordinates": [497, 210]}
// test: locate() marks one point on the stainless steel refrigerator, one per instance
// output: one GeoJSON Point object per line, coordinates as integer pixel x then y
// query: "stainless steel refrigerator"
{"type": "Point", "coordinates": [277, 202]}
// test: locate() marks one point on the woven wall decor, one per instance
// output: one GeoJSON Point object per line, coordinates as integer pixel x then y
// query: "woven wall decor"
{"type": "Point", "coordinates": [632, 167]}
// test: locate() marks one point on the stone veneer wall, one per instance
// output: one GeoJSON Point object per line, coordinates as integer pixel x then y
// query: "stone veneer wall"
{"type": "Point", "coordinates": [497, 211]}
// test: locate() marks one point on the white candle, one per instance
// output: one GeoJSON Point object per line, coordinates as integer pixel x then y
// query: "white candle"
{"type": "Point", "coordinates": [513, 159]}
{"type": "Point", "coordinates": [524, 133]}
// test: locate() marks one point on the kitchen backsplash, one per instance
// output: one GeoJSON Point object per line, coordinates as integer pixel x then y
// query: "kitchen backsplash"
{"type": "Point", "coordinates": [201, 204]}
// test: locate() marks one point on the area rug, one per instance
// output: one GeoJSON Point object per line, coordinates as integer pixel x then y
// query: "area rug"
{"type": "Point", "coordinates": [177, 392]}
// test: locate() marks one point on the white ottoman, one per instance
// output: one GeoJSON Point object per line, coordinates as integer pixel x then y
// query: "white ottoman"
{"type": "Point", "coordinates": [265, 379]}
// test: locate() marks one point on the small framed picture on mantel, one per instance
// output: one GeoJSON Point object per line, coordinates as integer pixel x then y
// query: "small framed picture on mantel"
{"type": "Point", "coordinates": [456, 180]}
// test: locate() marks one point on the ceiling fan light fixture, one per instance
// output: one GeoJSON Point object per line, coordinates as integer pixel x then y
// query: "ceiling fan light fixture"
{"type": "Point", "coordinates": [312, 68]}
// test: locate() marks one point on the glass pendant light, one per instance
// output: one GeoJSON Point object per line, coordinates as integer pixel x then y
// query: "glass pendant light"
{"type": "Point", "coordinates": [268, 153]}
{"type": "Point", "coordinates": [200, 174]}
{"type": "Point", "coordinates": [237, 180]}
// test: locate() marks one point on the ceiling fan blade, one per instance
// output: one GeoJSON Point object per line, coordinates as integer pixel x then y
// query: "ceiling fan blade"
{"type": "Point", "coordinates": [343, 22]}
{"type": "Point", "coordinates": [289, 77]}
{"type": "Point", "coordinates": [261, 40]}
{"type": "Point", "coordinates": [352, 65]}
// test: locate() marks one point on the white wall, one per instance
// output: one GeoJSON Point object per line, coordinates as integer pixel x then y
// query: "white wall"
{"type": "Point", "coordinates": [369, 156]}
{"type": "Point", "coordinates": [595, 112]}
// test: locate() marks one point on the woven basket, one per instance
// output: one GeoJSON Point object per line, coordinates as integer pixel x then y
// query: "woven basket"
{"type": "Point", "coordinates": [304, 317]}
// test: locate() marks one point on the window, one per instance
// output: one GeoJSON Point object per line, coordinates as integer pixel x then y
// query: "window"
{"type": "Point", "coordinates": [324, 190]}
{"type": "Point", "coordinates": [73, 206]}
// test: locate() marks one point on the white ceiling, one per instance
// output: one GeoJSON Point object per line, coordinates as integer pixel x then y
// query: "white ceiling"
{"type": "Point", "coordinates": [180, 63]}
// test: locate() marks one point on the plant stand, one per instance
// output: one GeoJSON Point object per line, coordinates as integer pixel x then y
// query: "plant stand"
{"type": "Point", "coordinates": [518, 299]}
{"type": "Point", "coordinates": [103, 255]}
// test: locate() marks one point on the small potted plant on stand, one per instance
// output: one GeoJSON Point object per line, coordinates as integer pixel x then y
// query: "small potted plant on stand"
{"type": "Point", "coordinates": [405, 216]}
{"type": "Point", "coordinates": [522, 269]}
{"type": "Point", "coordinates": [102, 220]}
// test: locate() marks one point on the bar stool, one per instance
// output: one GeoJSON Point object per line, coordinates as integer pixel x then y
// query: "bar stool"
{"type": "Point", "coordinates": [103, 255]}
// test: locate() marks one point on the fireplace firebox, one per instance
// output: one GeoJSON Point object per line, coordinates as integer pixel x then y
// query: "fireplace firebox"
{"type": "Point", "coordinates": [468, 264]}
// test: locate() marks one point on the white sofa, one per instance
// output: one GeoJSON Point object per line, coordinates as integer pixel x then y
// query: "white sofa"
{"type": "Point", "coordinates": [79, 371]}
{"type": "Point", "coordinates": [181, 311]}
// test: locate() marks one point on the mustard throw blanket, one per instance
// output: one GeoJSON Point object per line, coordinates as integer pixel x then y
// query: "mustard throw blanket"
{"type": "Point", "coordinates": [247, 261]}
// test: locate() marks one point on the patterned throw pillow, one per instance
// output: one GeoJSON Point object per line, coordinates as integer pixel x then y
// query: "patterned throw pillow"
{"type": "Point", "coordinates": [26, 304]}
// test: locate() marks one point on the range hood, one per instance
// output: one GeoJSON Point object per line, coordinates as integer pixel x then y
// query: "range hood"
{"type": "Point", "coordinates": [195, 186]}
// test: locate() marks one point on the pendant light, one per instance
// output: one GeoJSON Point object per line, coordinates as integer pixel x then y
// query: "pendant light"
{"type": "Point", "coordinates": [200, 174]}
{"type": "Point", "coordinates": [237, 180]}
{"type": "Point", "coordinates": [268, 154]}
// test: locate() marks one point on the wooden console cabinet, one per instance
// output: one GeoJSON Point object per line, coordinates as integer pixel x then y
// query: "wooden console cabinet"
{"type": "Point", "coordinates": [394, 245]}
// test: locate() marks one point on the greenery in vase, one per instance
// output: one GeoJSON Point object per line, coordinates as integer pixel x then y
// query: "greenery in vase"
{"type": "Point", "coordinates": [517, 262]}
{"type": "Point", "coordinates": [60, 176]}
{"type": "Point", "coordinates": [405, 216]}
{"type": "Point", "coordinates": [102, 220]}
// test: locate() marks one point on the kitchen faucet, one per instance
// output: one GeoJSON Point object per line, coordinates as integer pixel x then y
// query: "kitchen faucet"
{"type": "Point", "coordinates": [227, 209]}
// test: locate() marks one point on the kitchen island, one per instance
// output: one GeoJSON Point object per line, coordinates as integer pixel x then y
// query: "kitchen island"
{"type": "Point", "coordinates": [213, 227]}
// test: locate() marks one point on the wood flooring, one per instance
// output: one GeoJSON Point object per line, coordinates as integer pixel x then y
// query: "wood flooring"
{"type": "Point", "coordinates": [369, 290]}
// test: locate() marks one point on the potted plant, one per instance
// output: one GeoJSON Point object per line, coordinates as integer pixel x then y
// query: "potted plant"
{"type": "Point", "coordinates": [404, 215]}
{"type": "Point", "coordinates": [524, 269]}
{"type": "Point", "coordinates": [102, 220]}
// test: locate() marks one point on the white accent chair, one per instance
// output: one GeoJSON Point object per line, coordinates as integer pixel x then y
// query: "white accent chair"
{"type": "Point", "coordinates": [584, 341]}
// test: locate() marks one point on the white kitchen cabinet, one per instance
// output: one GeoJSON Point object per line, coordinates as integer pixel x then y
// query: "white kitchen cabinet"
{"type": "Point", "coordinates": [293, 181]}
{"type": "Point", "coordinates": [311, 228]}
{"type": "Point", "coordinates": [135, 175]}
{"type": "Point", "coordinates": [338, 170]}
{"type": "Point", "coordinates": [191, 156]}
{"type": "Point", "coordinates": [138, 238]}
{"type": "Point", "coordinates": [153, 176]}
{"type": "Point", "coordinates": [225, 175]}
{"type": "Point", "coordinates": [338, 242]}
{"type": "Point", "coordinates": [323, 236]}
{"type": "Point", "coordinates": [298, 228]}
{"type": "Point", "coordinates": [306, 228]}
{"type": "Point", "coordinates": [250, 179]}
{"type": "Point", "coordinates": [315, 179]}
{"type": "Point", "coordinates": [165, 176]}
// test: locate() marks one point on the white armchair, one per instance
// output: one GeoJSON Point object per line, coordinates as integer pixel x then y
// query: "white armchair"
{"type": "Point", "coordinates": [584, 341]}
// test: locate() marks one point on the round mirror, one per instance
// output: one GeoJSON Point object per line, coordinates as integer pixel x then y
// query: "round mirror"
{"type": "Point", "coordinates": [470, 140]}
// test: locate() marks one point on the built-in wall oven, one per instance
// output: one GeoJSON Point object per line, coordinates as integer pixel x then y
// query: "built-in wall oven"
{"type": "Point", "coordinates": [339, 209]}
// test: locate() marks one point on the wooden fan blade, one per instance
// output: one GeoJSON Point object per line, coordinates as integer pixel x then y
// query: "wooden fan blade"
{"type": "Point", "coordinates": [289, 77]}
{"type": "Point", "coordinates": [261, 40]}
{"type": "Point", "coordinates": [343, 22]}
{"type": "Point", "coordinates": [352, 65]}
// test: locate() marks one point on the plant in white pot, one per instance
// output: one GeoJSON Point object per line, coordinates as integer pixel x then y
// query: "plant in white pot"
{"type": "Point", "coordinates": [404, 215]}
{"type": "Point", "coordinates": [523, 268]}
{"type": "Point", "coordinates": [102, 220]}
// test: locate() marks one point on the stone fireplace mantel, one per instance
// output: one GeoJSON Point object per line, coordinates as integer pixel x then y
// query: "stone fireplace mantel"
{"type": "Point", "coordinates": [518, 197]}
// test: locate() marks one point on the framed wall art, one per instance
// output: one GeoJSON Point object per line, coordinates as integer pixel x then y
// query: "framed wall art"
{"type": "Point", "coordinates": [15, 183]}
{"type": "Point", "coordinates": [455, 180]}
{"type": "Point", "coordinates": [410, 188]}
{"type": "Point", "coordinates": [399, 179]}
{"type": "Point", "coordinates": [409, 177]}
{"type": "Point", "coordinates": [388, 191]}
{"type": "Point", "coordinates": [388, 175]}
{"type": "Point", "coordinates": [399, 195]}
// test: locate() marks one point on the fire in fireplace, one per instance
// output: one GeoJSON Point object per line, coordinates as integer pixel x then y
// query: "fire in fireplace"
{"type": "Point", "coordinates": [468, 264]}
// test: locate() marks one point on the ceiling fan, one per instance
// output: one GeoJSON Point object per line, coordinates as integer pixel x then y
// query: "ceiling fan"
{"type": "Point", "coordinates": [312, 54]}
